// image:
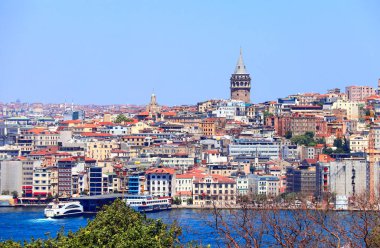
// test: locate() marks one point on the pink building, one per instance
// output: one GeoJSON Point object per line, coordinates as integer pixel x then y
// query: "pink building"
{"type": "Point", "coordinates": [359, 93]}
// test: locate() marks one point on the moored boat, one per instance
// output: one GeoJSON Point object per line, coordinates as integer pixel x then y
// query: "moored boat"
{"type": "Point", "coordinates": [146, 203]}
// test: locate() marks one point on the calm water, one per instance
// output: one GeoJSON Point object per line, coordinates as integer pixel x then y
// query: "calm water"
{"type": "Point", "coordinates": [24, 223]}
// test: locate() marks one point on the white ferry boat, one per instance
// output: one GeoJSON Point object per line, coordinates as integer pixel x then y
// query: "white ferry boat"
{"type": "Point", "coordinates": [63, 209]}
{"type": "Point", "coordinates": [147, 203]}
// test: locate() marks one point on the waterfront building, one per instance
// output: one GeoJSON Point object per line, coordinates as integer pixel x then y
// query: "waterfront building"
{"type": "Point", "coordinates": [264, 185]}
{"type": "Point", "coordinates": [217, 189]}
{"type": "Point", "coordinates": [160, 181]}
{"type": "Point", "coordinates": [347, 177]}
{"type": "Point", "coordinates": [96, 180]}
{"type": "Point", "coordinates": [302, 180]}
{"type": "Point", "coordinates": [136, 184]}
{"type": "Point", "coordinates": [11, 176]}
{"type": "Point", "coordinates": [242, 185]}
{"type": "Point", "coordinates": [41, 182]}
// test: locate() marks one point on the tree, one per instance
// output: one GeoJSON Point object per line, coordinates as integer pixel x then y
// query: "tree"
{"type": "Point", "coordinates": [309, 134]}
{"type": "Point", "coordinates": [346, 146]}
{"type": "Point", "coordinates": [306, 139]}
{"type": "Point", "coordinates": [374, 237]}
{"type": "Point", "coordinates": [177, 201]}
{"type": "Point", "coordinates": [288, 134]}
{"type": "Point", "coordinates": [122, 118]}
{"type": "Point", "coordinates": [15, 194]}
{"type": "Point", "coordinates": [49, 197]}
{"type": "Point", "coordinates": [116, 225]}
{"type": "Point", "coordinates": [5, 192]}
{"type": "Point", "coordinates": [189, 201]}
{"type": "Point", "coordinates": [307, 226]}
{"type": "Point", "coordinates": [39, 199]}
{"type": "Point", "coordinates": [321, 140]}
{"type": "Point", "coordinates": [338, 143]}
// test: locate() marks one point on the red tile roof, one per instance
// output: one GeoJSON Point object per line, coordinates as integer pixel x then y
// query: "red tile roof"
{"type": "Point", "coordinates": [160, 171]}
{"type": "Point", "coordinates": [91, 134]}
{"type": "Point", "coordinates": [215, 178]}
{"type": "Point", "coordinates": [71, 122]}
{"type": "Point", "coordinates": [184, 193]}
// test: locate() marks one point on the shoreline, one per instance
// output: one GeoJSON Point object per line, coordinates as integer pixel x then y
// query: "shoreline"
{"type": "Point", "coordinates": [206, 207]}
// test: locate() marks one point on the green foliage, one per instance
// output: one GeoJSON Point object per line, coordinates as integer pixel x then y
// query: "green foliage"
{"type": "Point", "coordinates": [289, 196]}
{"type": "Point", "coordinates": [5, 192]}
{"type": "Point", "coordinates": [321, 140]}
{"type": "Point", "coordinates": [342, 146]}
{"type": "Point", "coordinates": [177, 201]}
{"type": "Point", "coordinates": [306, 139]}
{"type": "Point", "coordinates": [310, 135]}
{"type": "Point", "coordinates": [267, 114]}
{"type": "Point", "coordinates": [115, 226]}
{"type": "Point", "coordinates": [122, 118]}
{"type": "Point", "coordinates": [189, 201]}
{"type": "Point", "coordinates": [288, 134]}
{"type": "Point", "coordinates": [14, 194]}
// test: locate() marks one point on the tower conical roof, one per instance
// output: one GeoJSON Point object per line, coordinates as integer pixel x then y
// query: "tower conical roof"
{"type": "Point", "coordinates": [240, 67]}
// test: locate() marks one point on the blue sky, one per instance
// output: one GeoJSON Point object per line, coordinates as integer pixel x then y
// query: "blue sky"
{"type": "Point", "coordinates": [117, 52]}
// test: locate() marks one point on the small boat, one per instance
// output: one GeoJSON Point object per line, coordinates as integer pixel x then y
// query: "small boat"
{"type": "Point", "coordinates": [145, 203]}
{"type": "Point", "coordinates": [63, 209]}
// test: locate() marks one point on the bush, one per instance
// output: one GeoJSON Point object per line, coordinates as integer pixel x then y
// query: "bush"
{"type": "Point", "coordinates": [115, 226]}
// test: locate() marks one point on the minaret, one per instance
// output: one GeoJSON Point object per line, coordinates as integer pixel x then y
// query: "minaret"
{"type": "Point", "coordinates": [240, 82]}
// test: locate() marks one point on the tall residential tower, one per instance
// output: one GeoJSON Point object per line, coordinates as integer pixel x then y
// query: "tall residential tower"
{"type": "Point", "coordinates": [240, 82]}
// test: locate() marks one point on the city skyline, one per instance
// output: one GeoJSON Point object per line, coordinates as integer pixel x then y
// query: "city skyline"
{"type": "Point", "coordinates": [57, 52]}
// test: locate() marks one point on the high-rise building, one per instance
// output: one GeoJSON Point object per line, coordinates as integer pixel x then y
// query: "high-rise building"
{"type": "Point", "coordinates": [240, 82]}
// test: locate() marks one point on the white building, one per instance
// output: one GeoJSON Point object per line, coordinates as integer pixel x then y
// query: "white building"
{"type": "Point", "coordinates": [230, 109]}
{"type": "Point", "coordinates": [242, 186]}
{"type": "Point", "coordinates": [264, 185]}
{"type": "Point", "coordinates": [11, 176]}
{"type": "Point", "coordinates": [41, 182]}
{"type": "Point", "coordinates": [263, 148]}
{"type": "Point", "coordinates": [359, 143]}
{"type": "Point", "coordinates": [160, 181]}
{"type": "Point", "coordinates": [346, 177]}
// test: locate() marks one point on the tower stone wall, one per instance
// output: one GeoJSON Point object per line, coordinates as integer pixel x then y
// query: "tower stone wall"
{"type": "Point", "coordinates": [240, 82]}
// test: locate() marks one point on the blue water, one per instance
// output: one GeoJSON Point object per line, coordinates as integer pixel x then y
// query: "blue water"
{"type": "Point", "coordinates": [26, 223]}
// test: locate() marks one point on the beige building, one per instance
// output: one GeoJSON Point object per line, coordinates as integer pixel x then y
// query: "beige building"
{"type": "Point", "coordinates": [216, 189]}
{"type": "Point", "coordinates": [38, 138]}
{"type": "Point", "coordinates": [139, 126]}
{"type": "Point", "coordinates": [100, 150]}
{"type": "Point", "coordinates": [352, 108]}
{"type": "Point", "coordinates": [41, 182]}
{"type": "Point", "coordinates": [359, 143]}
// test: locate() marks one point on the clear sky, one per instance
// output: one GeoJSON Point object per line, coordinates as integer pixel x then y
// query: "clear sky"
{"type": "Point", "coordinates": [117, 52]}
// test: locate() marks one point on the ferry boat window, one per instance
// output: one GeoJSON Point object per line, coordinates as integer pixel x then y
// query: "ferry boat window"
{"type": "Point", "coordinates": [72, 206]}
